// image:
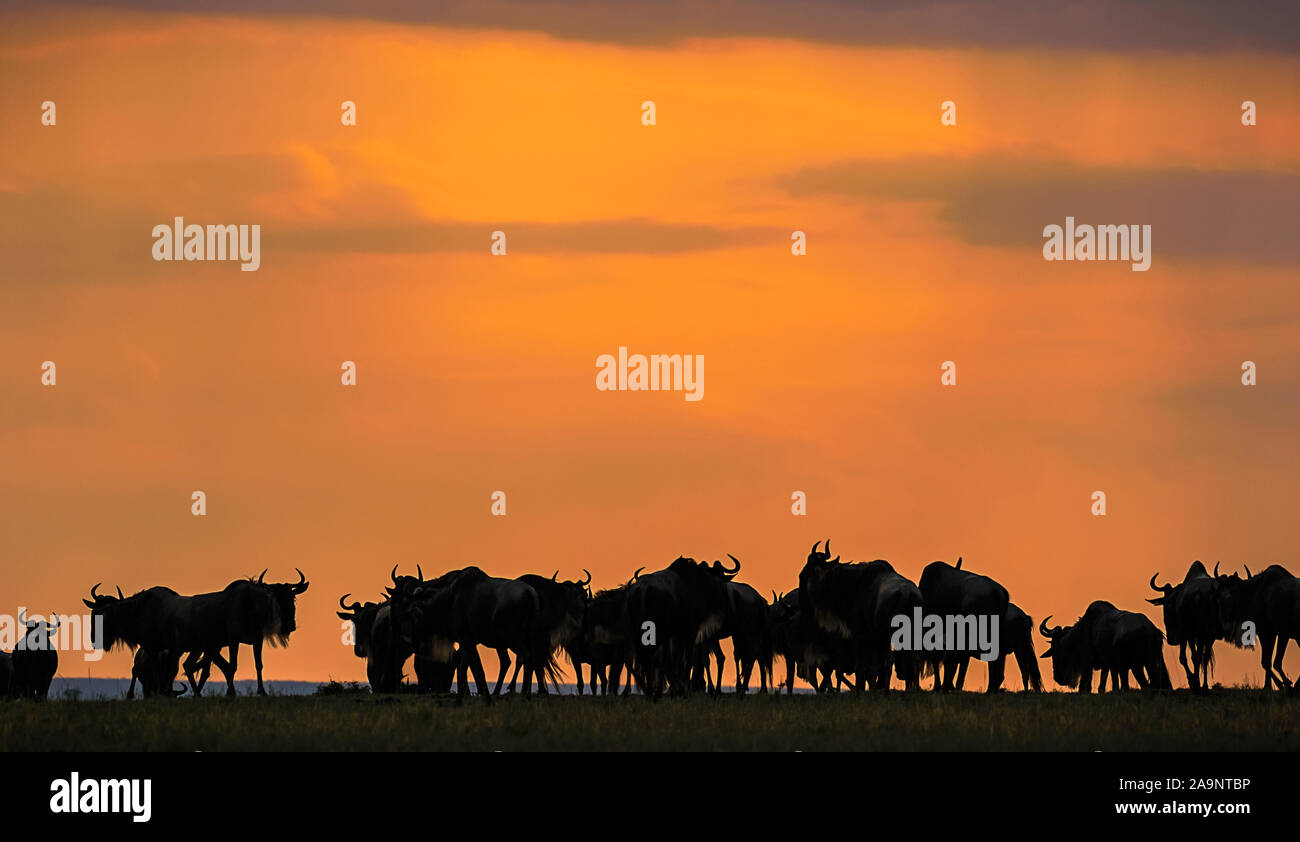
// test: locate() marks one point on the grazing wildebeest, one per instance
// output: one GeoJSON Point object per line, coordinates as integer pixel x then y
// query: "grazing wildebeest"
{"type": "Point", "coordinates": [1192, 620]}
{"type": "Point", "coordinates": [431, 676]}
{"type": "Point", "coordinates": [1110, 640]}
{"type": "Point", "coordinates": [476, 609]}
{"type": "Point", "coordinates": [35, 658]}
{"type": "Point", "coordinates": [1016, 638]}
{"type": "Point", "coordinates": [386, 659]}
{"type": "Point", "coordinates": [858, 601]}
{"type": "Point", "coordinates": [1270, 600]}
{"type": "Point", "coordinates": [156, 673]}
{"type": "Point", "coordinates": [954, 594]}
{"type": "Point", "coordinates": [563, 606]}
{"type": "Point", "coordinates": [807, 649]}
{"type": "Point", "coordinates": [250, 611]}
{"type": "Point", "coordinates": [603, 642]}
{"type": "Point", "coordinates": [667, 614]}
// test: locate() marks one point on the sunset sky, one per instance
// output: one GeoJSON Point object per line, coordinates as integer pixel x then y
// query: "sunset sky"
{"type": "Point", "coordinates": [476, 372]}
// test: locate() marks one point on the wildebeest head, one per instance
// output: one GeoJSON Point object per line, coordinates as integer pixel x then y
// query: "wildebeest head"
{"type": "Point", "coordinates": [405, 584]}
{"type": "Point", "coordinates": [111, 614]}
{"type": "Point", "coordinates": [283, 594]}
{"type": "Point", "coordinates": [362, 618]}
{"type": "Point", "coordinates": [1066, 651]}
{"type": "Point", "coordinates": [1234, 597]}
{"type": "Point", "coordinates": [819, 563]}
{"type": "Point", "coordinates": [39, 634]}
{"type": "Point", "coordinates": [574, 596]}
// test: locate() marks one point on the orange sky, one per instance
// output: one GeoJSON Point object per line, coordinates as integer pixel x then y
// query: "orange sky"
{"type": "Point", "coordinates": [476, 373]}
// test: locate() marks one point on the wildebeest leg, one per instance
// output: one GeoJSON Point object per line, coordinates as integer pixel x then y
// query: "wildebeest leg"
{"type": "Point", "coordinates": [514, 675]}
{"type": "Point", "coordinates": [130, 691]}
{"type": "Point", "coordinates": [961, 672]}
{"type": "Point", "coordinates": [462, 677]}
{"type": "Point", "coordinates": [1142, 682]}
{"type": "Point", "coordinates": [1265, 656]}
{"type": "Point", "coordinates": [722, 660]}
{"type": "Point", "coordinates": [503, 655]}
{"type": "Point", "coordinates": [997, 672]}
{"type": "Point", "coordinates": [257, 662]}
{"type": "Point", "coordinates": [1085, 682]}
{"type": "Point", "coordinates": [227, 668]}
{"type": "Point", "coordinates": [191, 666]}
{"type": "Point", "coordinates": [1277, 662]}
{"type": "Point", "coordinates": [1182, 659]}
{"type": "Point", "coordinates": [234, 665]}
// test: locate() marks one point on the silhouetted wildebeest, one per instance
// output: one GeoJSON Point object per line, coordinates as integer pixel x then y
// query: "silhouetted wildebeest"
{"type": "Point", "coordinates": [749, 625]}
{"type": "Point", "coordinates": [667, 614]}
{"type": "Point", "coordinates": [563, 606]}
{"type": "Point", "coordinates": [1271, 601]}
{"type": "Point", "coordinates": [362, 616]}
{"type": "Point", "coordinates": [603, 643]}
{"type": "Point", "coordinates": [1110, 640]}
{"type": "Point", "coordinates": [250, 611]}
{"type": "Point", "coordinates": [809, 652]}
{"type": "Point", "coordinates": [247, 611]}
{"type": "Point", "coordinates": [476, 609]}
{"type": "Point", "coordinates": [35, 658]}
{"type": "Point", "coordinates": [858, 602]}
{"type": "Point", "coordinates": [156, 673]}
{"type": "Point", "coordinates": [1192, 620]}
{"type": "Point", "coordinates": [1016, 637]}
{"type": "Point", "coordinates": [950, 592]}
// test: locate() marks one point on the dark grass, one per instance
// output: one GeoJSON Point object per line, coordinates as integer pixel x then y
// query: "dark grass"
{"type": "Point", "coordinates": [1226, 720]}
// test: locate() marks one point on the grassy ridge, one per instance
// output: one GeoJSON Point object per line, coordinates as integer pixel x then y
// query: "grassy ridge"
{"type": "Point", "coordinates": [1228, 720]}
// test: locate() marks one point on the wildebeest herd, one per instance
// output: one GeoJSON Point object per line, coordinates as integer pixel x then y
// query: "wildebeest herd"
{"type": "Point", "coordinates": [660, 632]}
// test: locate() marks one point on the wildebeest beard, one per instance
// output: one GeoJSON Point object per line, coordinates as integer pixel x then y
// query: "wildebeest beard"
{"type": "Point", "coordinates": [269, 607]}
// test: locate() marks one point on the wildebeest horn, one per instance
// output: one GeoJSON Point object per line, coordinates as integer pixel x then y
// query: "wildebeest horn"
{"type": "Point", "coordinates": [301, 584]}
{"type": "Point", "coordinates": [775, 598]}
{"type": "Point", "coordinates": [261, 577]}
{"type": "Point", "coordinates": [419, 572]}
{"type": "Point", "coordinates": [734, 570]}
{"type": "Point", "coordinates": [119, 592]}
{"type": "Point", "coordinates": [555, 577]}
{"type": "Point", "coordinates": [22, 618]}
{"type": "Point", "coordinates": [52, 627]}
{"type": "Point", "coordinates": [1216, 568]}
{"type": "Point", "coordinates": [393, 575]}
{"type": "Point", "coordinates": [1163, 588]}
{"type": "Point", "coordinates": [828, 546]}
{"type": "Point", "coordinates": [586, 581]}
{"type": "Point", "coordinates": [356, 606]}
{"type": "Point", "coordinates": [637, 573]}
{"type": "Point", "coordinates": [1247, 566]}
{"type": "Point", "coordinates": [814, 549]}
{"type": "Point", "coordinates": [1045, 631]}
